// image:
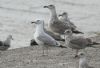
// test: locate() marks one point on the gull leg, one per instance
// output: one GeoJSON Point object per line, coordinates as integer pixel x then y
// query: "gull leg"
{"type": "Point", "coordinates": [47, 51]}
{"type": "Point", "coordinates": [76, 55]}
{"type": "Point", "coordinates": [0, 53]}
{"type": "Point", "coordinates": [43, 51]}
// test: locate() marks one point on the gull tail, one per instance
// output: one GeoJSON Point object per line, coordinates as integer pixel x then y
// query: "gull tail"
{"type": "Point", "coordinates": [93, 46]}
{"type": "Point", "coordinates": [59, 45]}
{"type": "Point", "coordinates": [62, 46]}
{"type": "Point", "coordinates": [77, 32]}
{"type": "Point", "coordinates": [94, 43]}
{"type": "Point", "coordinates": [60, 40]}
{"type": "Point", "coordinates": [33, 43]}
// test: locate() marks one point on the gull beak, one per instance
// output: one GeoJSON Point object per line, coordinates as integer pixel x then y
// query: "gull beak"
{"type": "Point", "coordinates": [77, 32]}
{"type": "Point", "coordinates": [45, 7]}
{"type": "Point", "coordinates": [12, 38]}
{"type": "Point", "coordinates": [60, 15]}
{"type": "Point", "coordinates": [33, 22]}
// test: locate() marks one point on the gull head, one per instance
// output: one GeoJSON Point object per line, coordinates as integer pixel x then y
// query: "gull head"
{"type": "Point", "coordinates": [10, 37]}
{"type": "Point", "coordinates": [64, 14]}
{"type": "Point", "coordinates": [38, 22]}
{"type": "Point", "coordinates": [50, 7]}
{"type": "Point", "coordinates": [68, 32]}
{"type": "Point", "coordinates": [81, 55]}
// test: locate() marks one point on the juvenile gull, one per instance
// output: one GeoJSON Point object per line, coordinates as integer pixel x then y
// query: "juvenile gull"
{"type": "Point", "coordinates": [55, 25]}
{"type": "Point", "coordinates": [78, 42]}
{"type": "Point", "coordinates": [43, 38]}
{"type": "Point", "coordinates": [83, 60]}
{"type": "Point", "coordinates": [64, 18]}
{"type": "Point", "coordinates": [4, 45]}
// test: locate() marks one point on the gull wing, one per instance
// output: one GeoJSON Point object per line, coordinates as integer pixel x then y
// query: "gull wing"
{"type": "Point", "coordinates": [47, 40]}
{"type": "Point", "coordinates": [79, 41]}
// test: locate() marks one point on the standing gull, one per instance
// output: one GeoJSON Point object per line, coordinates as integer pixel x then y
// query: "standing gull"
{"type": "Point", "coordinates": [4, 45]}
{"type": "Point", "coordinates": [43, 38]}
{"type": "Point", "coordinates": [78, 42]}
{"type": "Point", "coordinates": [56, 37]}
{"type": "Point", "coordinates": [64, 18]}
{"type": "Point", "coordinates": [83, 61]}
{"type": "Point", "coordinates": [55, 25]}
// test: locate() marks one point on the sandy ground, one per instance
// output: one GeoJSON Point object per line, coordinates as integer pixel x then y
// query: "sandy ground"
{"type": "Point", "coordinates": [31, 57]}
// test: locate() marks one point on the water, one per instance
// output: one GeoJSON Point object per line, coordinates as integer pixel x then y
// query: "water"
{"type": "Point", "coordinates": [16, 15]}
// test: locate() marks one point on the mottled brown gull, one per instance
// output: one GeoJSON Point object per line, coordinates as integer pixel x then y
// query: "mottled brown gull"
{"type": "Point", "coordinates": [78, 42]}
{"type": "Point", "coordinates": [64, 18]}
{"type": "Point", "coordinates": [55, 25]}
{"type": "Point", "coordinates": [44, 39]}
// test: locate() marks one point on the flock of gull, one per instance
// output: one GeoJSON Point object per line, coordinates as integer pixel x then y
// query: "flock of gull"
{"type": "Point", "coordinates": [61, 25]}
{"type": "Point", "coordinates": [51, 36]}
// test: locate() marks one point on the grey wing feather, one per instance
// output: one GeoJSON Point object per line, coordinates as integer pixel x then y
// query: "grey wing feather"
{"type": "Point", "coordinates": [47, 40]}
{"type": "Point", "coordinates": [79, 41]}
{"type": "Point", "coordinates": [72, 25]}
{"type": "Point", "coordinates": [52, 34]}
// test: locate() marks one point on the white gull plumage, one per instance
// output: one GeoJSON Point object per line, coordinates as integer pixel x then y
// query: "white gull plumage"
{"type": "Point", "coordinates": [42, 38]}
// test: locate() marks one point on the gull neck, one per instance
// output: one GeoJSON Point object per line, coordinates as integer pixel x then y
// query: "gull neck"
{"type": "Point", "coordinates": [40, 28]}
{"type": "Point", "coordinates": [54, 14]}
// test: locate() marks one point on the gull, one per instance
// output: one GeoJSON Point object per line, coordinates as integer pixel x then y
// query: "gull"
{"type": "Point", "coordinates": [42, 38]}
{"type": "Point", "coordinates": [83, 61]}
{"type": "Point", "coordinates": [4, 45]}
{"type": "Point", "coordinates": [78, 42]}
{"type": "Point", "coordinates": [64, 18]}
{"type": "Point", "coordinates": [56, 37]}
{"type": "Point", "coordinates": [55, 25]}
